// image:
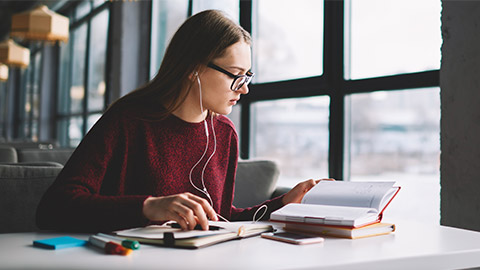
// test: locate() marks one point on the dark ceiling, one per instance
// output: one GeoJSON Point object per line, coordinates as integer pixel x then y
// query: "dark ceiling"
{"type": "Point", "coordinates": [8, 8]}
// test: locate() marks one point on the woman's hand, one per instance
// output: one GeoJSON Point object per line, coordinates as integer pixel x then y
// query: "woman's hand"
{"type": "Point", "coordinates": [295, 195]}
{"type": "Point", "coordinates": [186, 209]}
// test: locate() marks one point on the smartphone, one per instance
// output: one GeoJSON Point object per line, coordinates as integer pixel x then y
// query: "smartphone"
{"type": "Point", "coordinates": [293, 238]}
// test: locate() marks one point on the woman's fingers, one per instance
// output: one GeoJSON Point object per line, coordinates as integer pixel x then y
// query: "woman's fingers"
{"type": "Point", "coordinates": [208, 209]}
{"type": "Point", "coordinates": [196, 210]}
{"type": "Point", "coordinates": [186, 209]}
{"type": "Point", "coordinates": [295, 195]}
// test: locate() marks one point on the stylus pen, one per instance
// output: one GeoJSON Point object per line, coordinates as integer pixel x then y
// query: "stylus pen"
{"type": "Point", "coordinates": [108, 246]}
{"type": "Point", "coordinates": [131, 244]}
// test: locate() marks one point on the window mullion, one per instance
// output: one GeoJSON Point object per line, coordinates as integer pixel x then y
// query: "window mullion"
{"type": "Point", "coordinates": [334, 74]}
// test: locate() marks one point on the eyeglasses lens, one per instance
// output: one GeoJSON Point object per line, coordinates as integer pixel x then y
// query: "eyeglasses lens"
{"type": "Point", "coordinates": [238, 83]}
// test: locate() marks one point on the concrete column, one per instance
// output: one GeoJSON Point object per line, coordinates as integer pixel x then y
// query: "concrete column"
{"type": "Point", "coordinates": [460, 121]}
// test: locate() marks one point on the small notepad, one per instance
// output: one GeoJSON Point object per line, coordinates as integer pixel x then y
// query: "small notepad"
{"type": "Point", "coordinates": [59, 242]}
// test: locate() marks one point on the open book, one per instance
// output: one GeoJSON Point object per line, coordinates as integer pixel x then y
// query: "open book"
{"type": "Point", "coordinates": [341, 203]}
{"type": "Point", "coordinates": [168, 235]}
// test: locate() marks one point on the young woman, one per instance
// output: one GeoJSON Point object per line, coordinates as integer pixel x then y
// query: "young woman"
{"type": "Point", "coordinates": [165, 151]}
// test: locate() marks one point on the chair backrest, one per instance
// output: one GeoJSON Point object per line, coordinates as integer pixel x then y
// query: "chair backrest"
{"type": "Point", "coordinates": [255, 182]}
{"type": "Point", "coordinates": [21, 188]}
{"type": "Point", "coordinates": [8, 154]}
{"type": "Point", "coordinates": [59, 155]}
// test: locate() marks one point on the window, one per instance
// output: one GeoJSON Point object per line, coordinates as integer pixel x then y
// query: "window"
{"type": "Point", "coordinates": [287, 39]}
{"type": "Point", "coordinates": [28, 114]}
{"type": "Point", "coordinates": [395, 135]}
{"type": "Point", "coordinates": [388, 37]}
{"type": "Point", "coordinates": [167, 16]}
{"type": "Point", "coordinates": [294, 133]}
{"type": "Point", "coordinates": [82, 83]}
{"type": "Point", "coordinates": [375, 70]}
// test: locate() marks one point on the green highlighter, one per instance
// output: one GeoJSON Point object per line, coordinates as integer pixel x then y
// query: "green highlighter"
{"type": "Point", "coordinates": [131, 244]}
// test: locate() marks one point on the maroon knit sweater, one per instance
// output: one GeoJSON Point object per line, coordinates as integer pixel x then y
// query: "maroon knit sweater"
{"type": "Point", "coordinates": [125, 159]}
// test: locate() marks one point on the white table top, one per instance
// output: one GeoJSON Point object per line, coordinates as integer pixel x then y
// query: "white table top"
{"type": "Point", "coordinates": [412, 246]}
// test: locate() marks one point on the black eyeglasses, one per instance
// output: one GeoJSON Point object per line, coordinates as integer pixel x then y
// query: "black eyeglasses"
{"type": "Point", "coordinates": [238, 80]}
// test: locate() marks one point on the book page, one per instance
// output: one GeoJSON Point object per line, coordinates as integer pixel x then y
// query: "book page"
{"type": "Point", "coordinates": [343, 193]}
{"type": "Point", "coordinates": [325, 214]}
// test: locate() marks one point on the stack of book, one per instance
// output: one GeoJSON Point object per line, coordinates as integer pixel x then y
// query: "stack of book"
{"type": "Point", "coordinates": [340, 209]}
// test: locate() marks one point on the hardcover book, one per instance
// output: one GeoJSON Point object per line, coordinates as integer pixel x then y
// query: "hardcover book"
{"type": "Point", "coordinates": [340, 203]}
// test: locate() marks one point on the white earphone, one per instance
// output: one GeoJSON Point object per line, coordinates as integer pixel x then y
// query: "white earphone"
{"type": "Point", "coordinates": [203, 189]}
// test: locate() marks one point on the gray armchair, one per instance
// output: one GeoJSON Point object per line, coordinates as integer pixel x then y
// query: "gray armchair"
{"type": "Point", "coordinates": [256, 182]}
{"type": "Point", "coordinates": [21, 188]}
{"type": "Point", "coordinates": [8, 154]}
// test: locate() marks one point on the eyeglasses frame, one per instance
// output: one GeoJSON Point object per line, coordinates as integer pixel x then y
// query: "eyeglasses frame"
{"type": "Point", "coordinates": [248, 76]}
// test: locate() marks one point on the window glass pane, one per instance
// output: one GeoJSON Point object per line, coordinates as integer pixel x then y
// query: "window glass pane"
{"type": "Point", "coordinates": [395, 135]}
{"type": "Point", "coordinates": [294, 133]}
{"type": "Point", "coordinates": [97, 56]}
{"type": "Point", "coordinates": [28, 106]}
{"type": "Point", "coordinates": [387, 37]}
{"type": "Point", "coordinates": [97, 3]}
{"type": "Point", "coordinates": [64, 79]}
{"type": "Point", "coordinates": [231, 7]}
{"type": "Point", "coordinates": [92, 119]}
{"type": "Point", "coordinates": [24, 103]}
{"type": "Point", "coordinates": [287, 39]}
{"type": "Point", "coordinates": [77, 89]}
{"type": "Point", "coordinates": [82, 9]}
{"type": "Point", "coordinates": [36, 95]}
{"type": "Point", "coordinates": [167, 16]}
{"type": "Point", "coordinates": [62, 132]}
{"type": "Point", "coordinates": [75, 131]}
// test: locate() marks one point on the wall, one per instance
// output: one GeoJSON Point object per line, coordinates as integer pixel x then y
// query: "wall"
{"type": "Point", "coordinates": [460, 123]}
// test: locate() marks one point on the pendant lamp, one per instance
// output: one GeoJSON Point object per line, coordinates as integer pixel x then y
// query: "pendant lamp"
{"type": "Point", "coordinates": [3, 73]}
{"type": "Point", "coordinates": [13, 54]}
{"type": "Point", "coordinates": [40, 24]}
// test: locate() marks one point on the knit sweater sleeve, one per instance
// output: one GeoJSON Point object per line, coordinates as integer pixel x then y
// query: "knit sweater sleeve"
{"type": "Point", "coordinates": [89, 193]}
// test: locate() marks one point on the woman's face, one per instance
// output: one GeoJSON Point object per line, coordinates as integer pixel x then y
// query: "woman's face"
{"type": "Point", "coordinates": [216, 93]}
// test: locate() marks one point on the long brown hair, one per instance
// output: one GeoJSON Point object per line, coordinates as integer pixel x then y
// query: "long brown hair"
{"type": "Point", "coordinates": [200, 39]}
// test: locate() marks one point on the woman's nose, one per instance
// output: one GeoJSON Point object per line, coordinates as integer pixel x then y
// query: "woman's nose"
{"type": "Point", "coordinates": [243, 90]}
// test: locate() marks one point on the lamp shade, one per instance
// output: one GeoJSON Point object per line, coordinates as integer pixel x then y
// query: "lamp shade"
{"type": "Point", "coordinates": [40, 24]}
{"type": "Point", "coordinates": [13, 54]}
{"type": "Point", "coordinates": [3, 73]}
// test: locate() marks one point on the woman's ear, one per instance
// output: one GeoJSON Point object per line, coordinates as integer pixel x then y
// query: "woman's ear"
{"type": "Point", "coordinates": [193, 75]}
